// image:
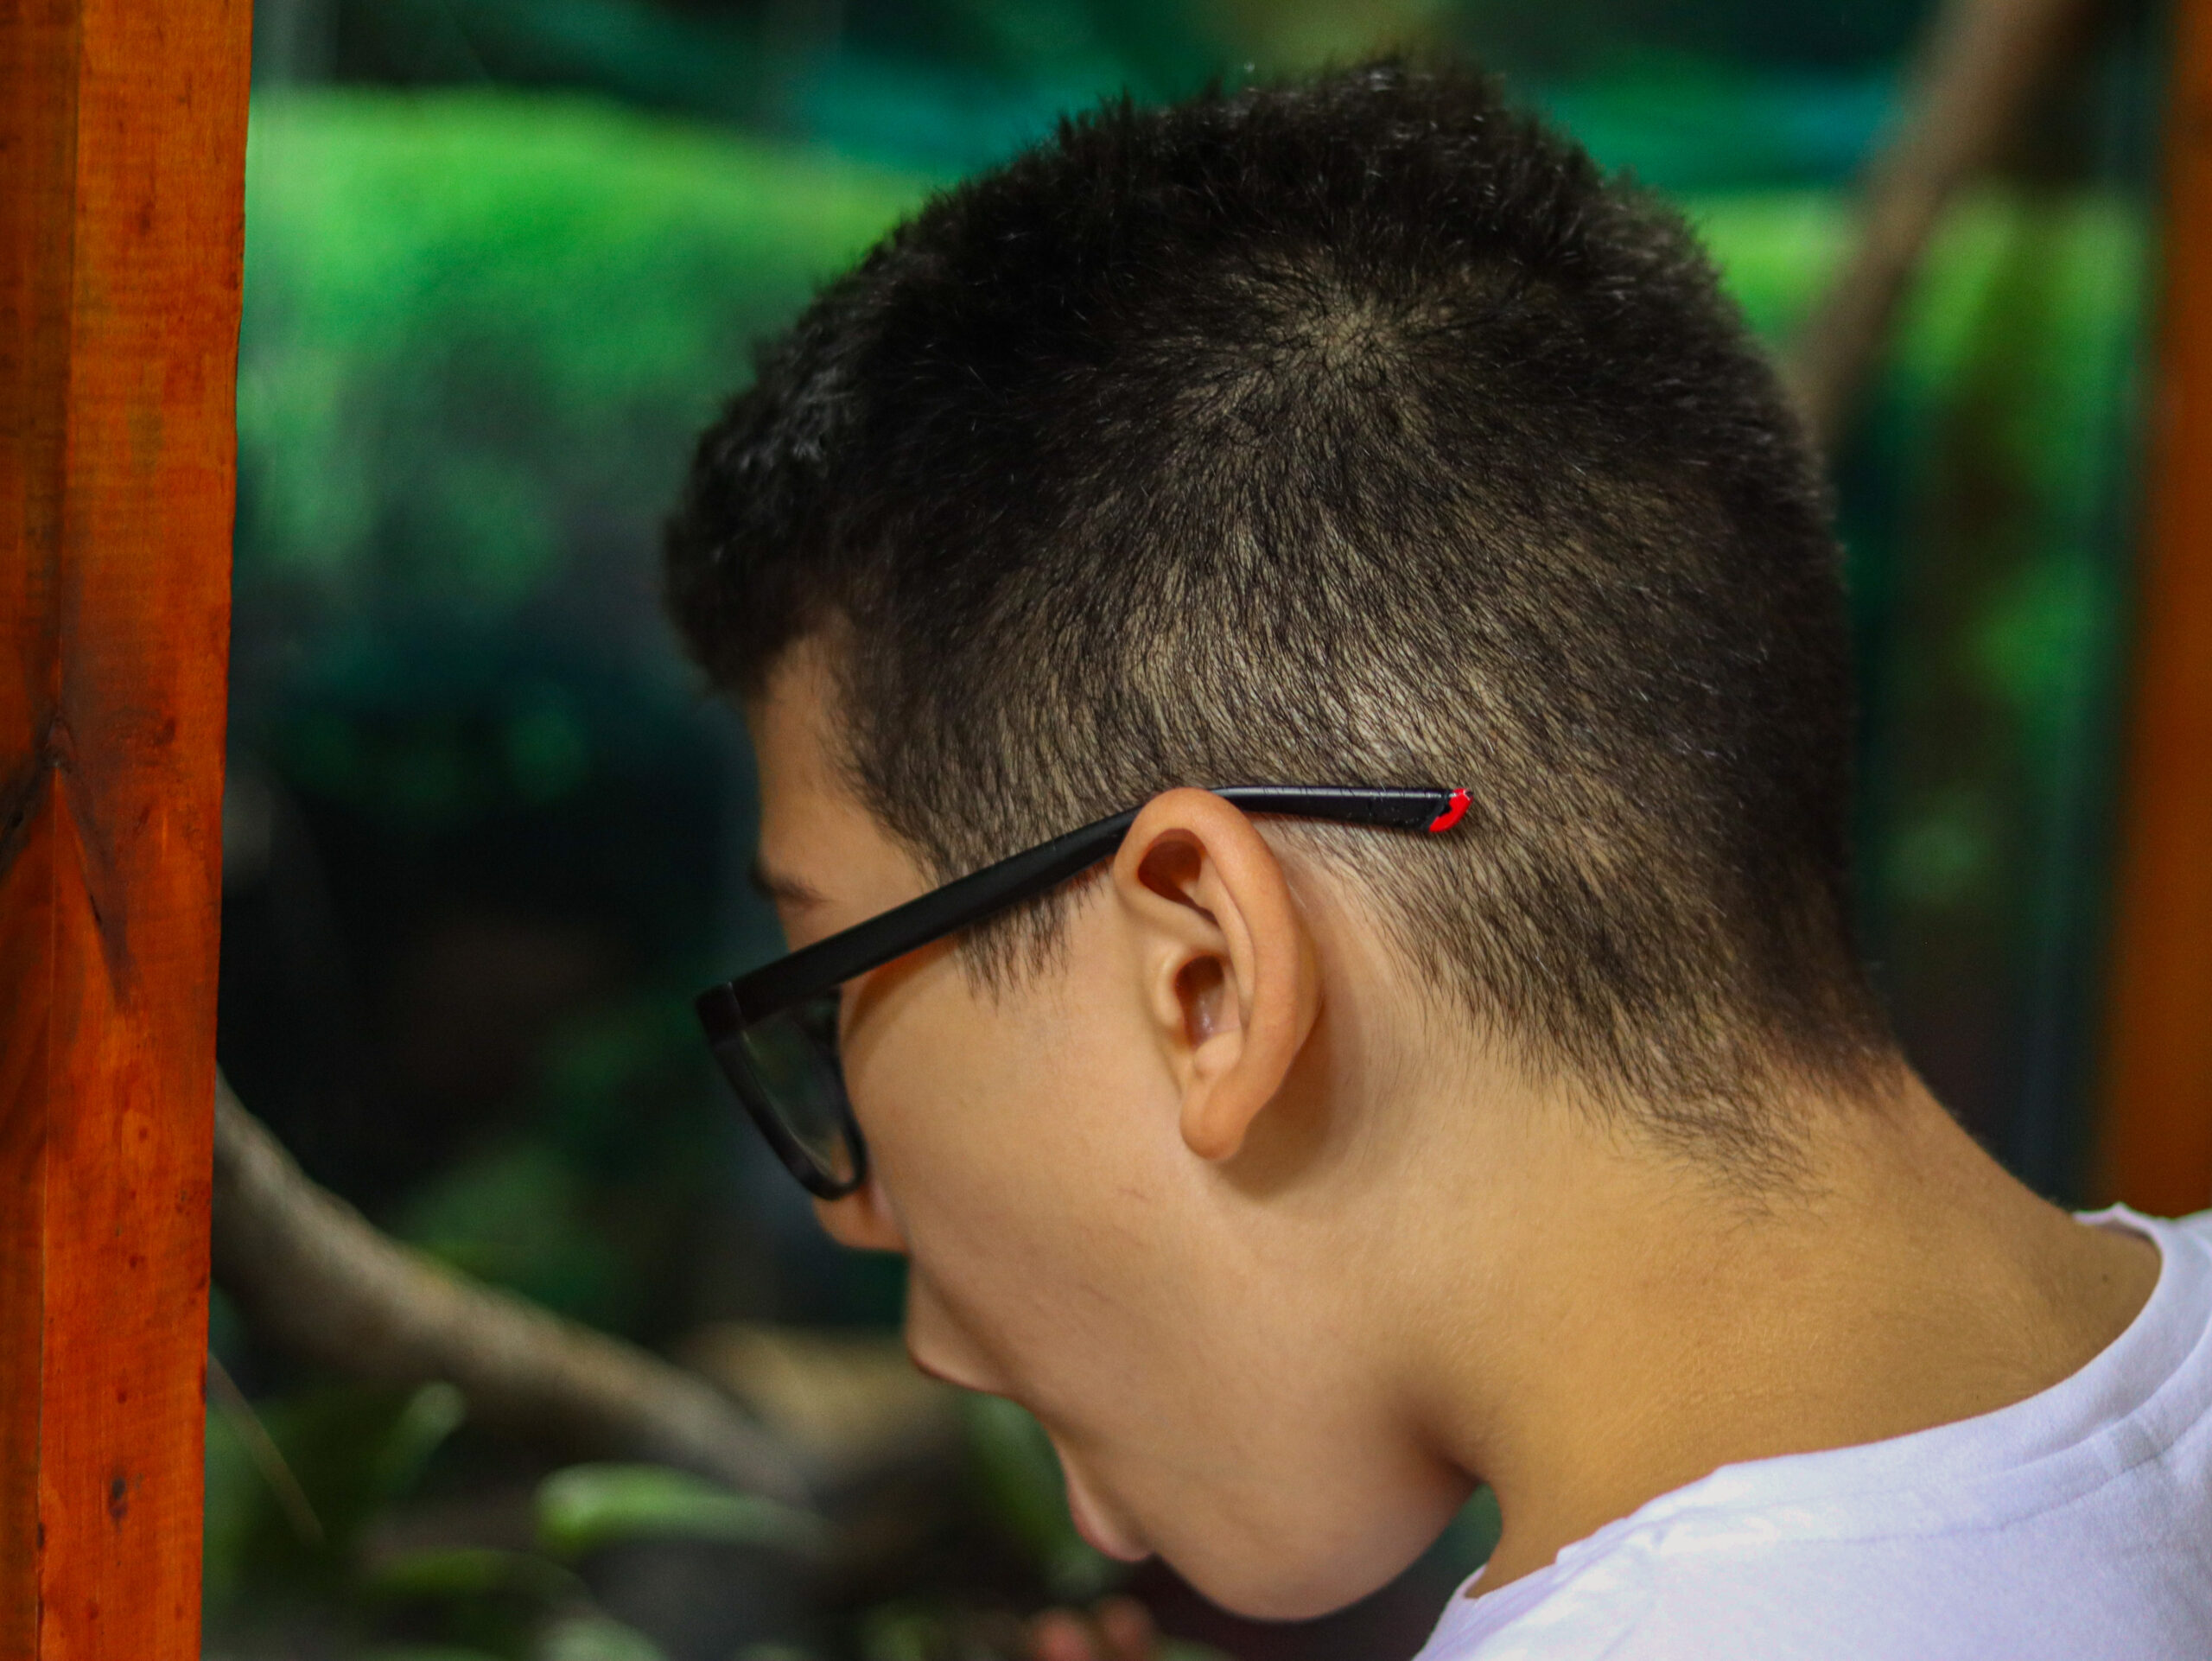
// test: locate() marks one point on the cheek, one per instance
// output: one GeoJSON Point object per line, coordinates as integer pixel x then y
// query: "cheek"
{"type": "Point", "coordinates": [1010, 1140]}
{"type": "Point", "coordinates": [1064, 1254]}
{"type": "Point", "coordinates": [945, 1086]}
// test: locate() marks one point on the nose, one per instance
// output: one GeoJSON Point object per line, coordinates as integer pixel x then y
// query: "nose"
{"type": "Point", "coordinates": [862, 1219]}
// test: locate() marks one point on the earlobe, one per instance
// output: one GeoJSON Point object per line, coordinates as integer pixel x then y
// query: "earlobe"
{"type": "Point", "coordinates": [1232, 980]}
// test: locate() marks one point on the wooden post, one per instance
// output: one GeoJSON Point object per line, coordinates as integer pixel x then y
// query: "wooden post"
{"type": "Point", "coordinates": [122, 148]}
{"type": "Point", "coordinates": [2156, 1149]}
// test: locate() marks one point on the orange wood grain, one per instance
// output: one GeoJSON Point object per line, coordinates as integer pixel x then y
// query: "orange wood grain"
{"type": "Point", "coordinates": [2156, 1146]}
{"type": "Point", "coordinates": [122, 146]}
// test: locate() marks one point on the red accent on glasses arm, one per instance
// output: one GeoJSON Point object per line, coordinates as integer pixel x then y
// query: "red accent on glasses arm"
{"type": "Point", "coordinates": [1452, 815]}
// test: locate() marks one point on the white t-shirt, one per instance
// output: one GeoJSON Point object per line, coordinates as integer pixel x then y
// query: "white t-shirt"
{"type": "Point", "coordinates": [2076, 1525]}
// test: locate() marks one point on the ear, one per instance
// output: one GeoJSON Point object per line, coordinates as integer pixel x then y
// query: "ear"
{"type": "Point", "coordinates": [1228, 972]}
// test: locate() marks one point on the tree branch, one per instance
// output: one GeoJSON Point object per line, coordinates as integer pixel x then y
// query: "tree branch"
{"type": "Point", "coordinates": [313, 1274]}
{"type": "Point", "coordinates": [1985, 60]}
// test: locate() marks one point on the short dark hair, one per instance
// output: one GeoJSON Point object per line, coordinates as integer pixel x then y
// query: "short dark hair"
{"type": "Point", "coordinates": [1354, 431]}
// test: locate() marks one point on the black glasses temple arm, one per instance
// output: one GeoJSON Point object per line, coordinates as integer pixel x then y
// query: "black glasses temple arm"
{"type": "Point", "coordinates": [982, 893]}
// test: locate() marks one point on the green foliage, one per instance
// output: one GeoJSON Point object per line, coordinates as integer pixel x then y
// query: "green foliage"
{"type": "Point", "coordinates": [586, 1204]}
{"type": "Point", "coordinates": [518, 1214]}
{"type": "Point", "coordinates": [358, 1452]}
{"type": "Point", "coordinates": [594, 1638]}
{"type": "Point", "coordinates": [2007, 416]}
{"type": "Point", "coordinates": [434, 750]}
{"type": "Point", "coordinates": [2032, 327]}
{"type": "Point", "coordinates": [1725, 91]}
{"type": "Point", "coordinates": [1986, 508]}
{"type": "Point", "coordinates": [475, 321]}
{"type": "Point", "coordinates": [1024, 1493]}
{"type": "Point", "coordinates": [473, 1572]}
{"type": "Point", "coordinates": [588, 1506]}
{"type": "Point", "coordinates": [1588, 37]}
{"type": "Point", "coordinates": [489, 1601]}
{"type": "Point", "coordinates": [1474, 1533]}
{"type": "Point", "coordinates": [479, 327]}
{"type": "Point", "coordinates": [353, 1450]}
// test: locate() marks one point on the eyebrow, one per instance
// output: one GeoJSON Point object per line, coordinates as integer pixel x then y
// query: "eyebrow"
{"type": "Point", "coordinates": [782, 889]}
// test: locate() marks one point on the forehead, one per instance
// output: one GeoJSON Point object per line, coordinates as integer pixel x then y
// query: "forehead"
{"type": "Point", "coordinates": [792, 737]}
{"type": "Point", "coordinates": [815, 834]}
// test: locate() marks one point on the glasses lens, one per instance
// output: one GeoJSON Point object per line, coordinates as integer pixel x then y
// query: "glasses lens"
{"type": "Point", "coordinates": [785, 1067]}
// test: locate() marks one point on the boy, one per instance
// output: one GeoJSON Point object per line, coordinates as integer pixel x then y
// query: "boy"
{"type": "Point", "coordinates": [1297, 667]}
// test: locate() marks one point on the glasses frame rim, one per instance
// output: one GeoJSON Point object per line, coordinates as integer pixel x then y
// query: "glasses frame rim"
{"type": "Point", "coordinates": [727, 1008]}
{"type": "Point", "coordinates": [804, 1166]}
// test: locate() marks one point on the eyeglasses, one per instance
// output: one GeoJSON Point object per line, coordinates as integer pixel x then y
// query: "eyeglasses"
{"type": "Point", "coordinates": [775, 1030]}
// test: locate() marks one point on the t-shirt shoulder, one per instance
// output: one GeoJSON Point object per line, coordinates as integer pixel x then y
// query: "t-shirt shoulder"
{"type": "Point", "coordinates": [2076, 1525]}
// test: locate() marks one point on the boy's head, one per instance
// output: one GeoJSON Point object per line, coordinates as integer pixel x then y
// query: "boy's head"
{"type": "Point", "coordinates": [1352, 433]}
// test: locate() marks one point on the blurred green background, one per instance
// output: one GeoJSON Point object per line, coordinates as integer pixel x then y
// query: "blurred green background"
{"type": "Point", "coordinates": [484, 836]}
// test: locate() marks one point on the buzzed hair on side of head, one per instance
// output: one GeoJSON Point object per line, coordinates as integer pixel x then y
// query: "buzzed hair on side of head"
{"type": "Point", "coordinates": [1358, 432]}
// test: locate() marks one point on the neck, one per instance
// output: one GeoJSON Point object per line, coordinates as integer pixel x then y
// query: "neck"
{"type": "Point", "coordinates": [1647, 1326]}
